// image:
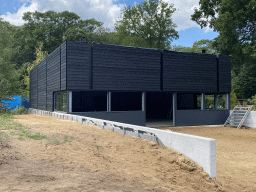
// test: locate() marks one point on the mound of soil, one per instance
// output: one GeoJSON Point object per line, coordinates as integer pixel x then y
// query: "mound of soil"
{"type": "Point", "coordinates": [77, 157]}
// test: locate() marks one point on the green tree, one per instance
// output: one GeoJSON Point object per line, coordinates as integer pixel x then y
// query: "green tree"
{"type": "Point", "coordinates": [198, 46]}
{"type": "Point", "coordinates": [103, 35]}
{"type": "Point", "coordinates": [40, 56]}
{"type": "Point", "coordinates": [235, 21]}
{"type": "Point", "coordinates": [148, 24]}
{"type": "Point", "coordinates": [245, 82]}
{"type": "Point", "coordinates": [8, 50]}
{"type": "Point", "coordinates": [4, 86]}
{"type": "Point", "coordinates": [233, 98]}
{"type": "Point", "coordinates": [52, 28]}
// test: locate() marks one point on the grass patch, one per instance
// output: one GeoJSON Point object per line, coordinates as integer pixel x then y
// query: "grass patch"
{"type": "Point", "coordinates": [13, 133]}
{"type": "Point", "coordinates": [65, 139]}
{"type": "Point", "coordinates": [20, 138]}
{"type": "Point", "coordinates": [77, 148]}
{"type": "Point", "coordinates": [6, 123]}
{"type": "Point", "coordinates": [52, 142]}
{"type": "Point", "coordinates": [54, 139]}
{"type": "Point", "coordinates": [37, 136]}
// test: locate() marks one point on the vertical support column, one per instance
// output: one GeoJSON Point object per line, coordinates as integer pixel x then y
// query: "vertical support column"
{"type": "Point", "coordinates": [203, 101]}
{"type": "Point", "coordinates": [174, 104]}
{"type": "Point", "coordinates": [108, 101]}
{"type": "Point", "coordinates": [227, 101]}
{"type": "Point", "coordinates": [69, 101]}
{"type": "Point", "coordinates": [215, 101]}
{"type": "Point", "coordinates": [143, 101]}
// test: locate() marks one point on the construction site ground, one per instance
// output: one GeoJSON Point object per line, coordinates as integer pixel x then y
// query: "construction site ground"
{"type": "Point", "coordinates": [77, 157]}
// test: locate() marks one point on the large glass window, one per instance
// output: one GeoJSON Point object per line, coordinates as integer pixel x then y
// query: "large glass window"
{"type": "Point", "coordinates": [221, 101]}
{"type": "Point", "coordinates": [198, 97]}
{"type": "Point", "coordinates": [60, 101]}
{"type": "Point", "coordinates": [126, 101]}
{"type": "Point", "coordinates": [209, 101]}
{"type": "Point", "coordinates": [188, 101]}
{"type": "Point", "coordinates": [89, 101]}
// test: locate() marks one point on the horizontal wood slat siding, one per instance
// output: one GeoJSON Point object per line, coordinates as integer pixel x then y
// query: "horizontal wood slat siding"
{"type": "Point", "coordinates": [189, 72]}
{"type": "Point", "coordinates": [224, 73]}
{"type": "Point", "coordinates": [53, 76]}
{"type": "Point", "coordinates": [33, 86]}
{"type": "Point", "coordinates": [126, 68]}
{"type": "Point", "coordinates": [78, 64]}
{"type": "Point", "coordinates": [41, 71]}
{"type": "Point", "coordinates": [63, 73]}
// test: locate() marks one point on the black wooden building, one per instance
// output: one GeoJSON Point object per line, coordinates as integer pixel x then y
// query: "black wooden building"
{"type": "Point", "coordinates": [131, 84]}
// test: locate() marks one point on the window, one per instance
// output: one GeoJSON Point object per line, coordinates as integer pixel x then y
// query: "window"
{"type": "Point", "coordinates": [60, 101]}
{"type": "Point", "coordinates": [209, 101]}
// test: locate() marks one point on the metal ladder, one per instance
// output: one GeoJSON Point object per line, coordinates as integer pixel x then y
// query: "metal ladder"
{"type": "Point", "coordinates": [238, 116]}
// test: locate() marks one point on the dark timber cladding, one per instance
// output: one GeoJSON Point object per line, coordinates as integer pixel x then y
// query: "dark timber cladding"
{"type": "Point", "coordinates": [126, 68]}
{"type": "Point", "coordinates": [63, 60]}
{"type": "Point", "coordinates": [78, 65]}
{"type": "Point", "coordinates": [189, 72]}
{"type": "Point", "coordinates": [224, 73]}
{"type": "Point", "coordinates": [53, 76]}
{"type": "Point", "coordinates": [92, 71]}
{"type": "Point", "coordinates": [33, 90]}
{"type": "Point", "coordinates": [41, 70]}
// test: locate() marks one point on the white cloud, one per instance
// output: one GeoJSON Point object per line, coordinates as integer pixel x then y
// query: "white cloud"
{"type": "Point", "coordinates": [184, 10]}
{"type": "Point", "coordinates": [106, 11]}
{"type": "Point", "coordinates": [16, 18]}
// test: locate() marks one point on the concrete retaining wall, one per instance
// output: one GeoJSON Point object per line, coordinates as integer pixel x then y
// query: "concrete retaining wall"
{"type": "Point", "coordinates": [198, 149]}
{"type": "Point", "coordinates": [250, 120]}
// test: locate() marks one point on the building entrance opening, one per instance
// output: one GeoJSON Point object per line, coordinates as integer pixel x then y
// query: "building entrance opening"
{"type": "Point", "coordinates": [159, 111]}
{"type": "Point", "coordinates": [89, 101]}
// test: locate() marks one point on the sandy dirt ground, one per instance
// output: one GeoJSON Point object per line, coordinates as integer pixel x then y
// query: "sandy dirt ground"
{"type": "Point", "coordinates": [235, 154]}
{"type": "Point", "coordinates": [77, 157]}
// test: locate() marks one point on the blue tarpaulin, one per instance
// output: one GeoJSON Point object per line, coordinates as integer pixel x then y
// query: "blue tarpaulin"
{"type": "Point", "coordinates": [18, 101]}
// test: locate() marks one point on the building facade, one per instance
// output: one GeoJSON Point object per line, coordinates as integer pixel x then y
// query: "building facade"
{"type": "Point", "coordinates": [132, 84]}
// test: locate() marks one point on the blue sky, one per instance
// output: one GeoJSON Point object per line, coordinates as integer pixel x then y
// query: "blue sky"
{"type": "Point", "coordinates": [108, 12]}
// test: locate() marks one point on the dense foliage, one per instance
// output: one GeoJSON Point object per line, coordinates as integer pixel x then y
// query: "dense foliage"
{"type": "Point", "coordinates": [236, 23]}
{"type": "Point", "coordinates": [148, 24]}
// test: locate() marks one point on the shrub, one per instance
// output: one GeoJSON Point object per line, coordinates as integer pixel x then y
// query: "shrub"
{"type": "Point", "coordinates": [252, 101]}
{"type": "Point", "coordinates": [21, 110]}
